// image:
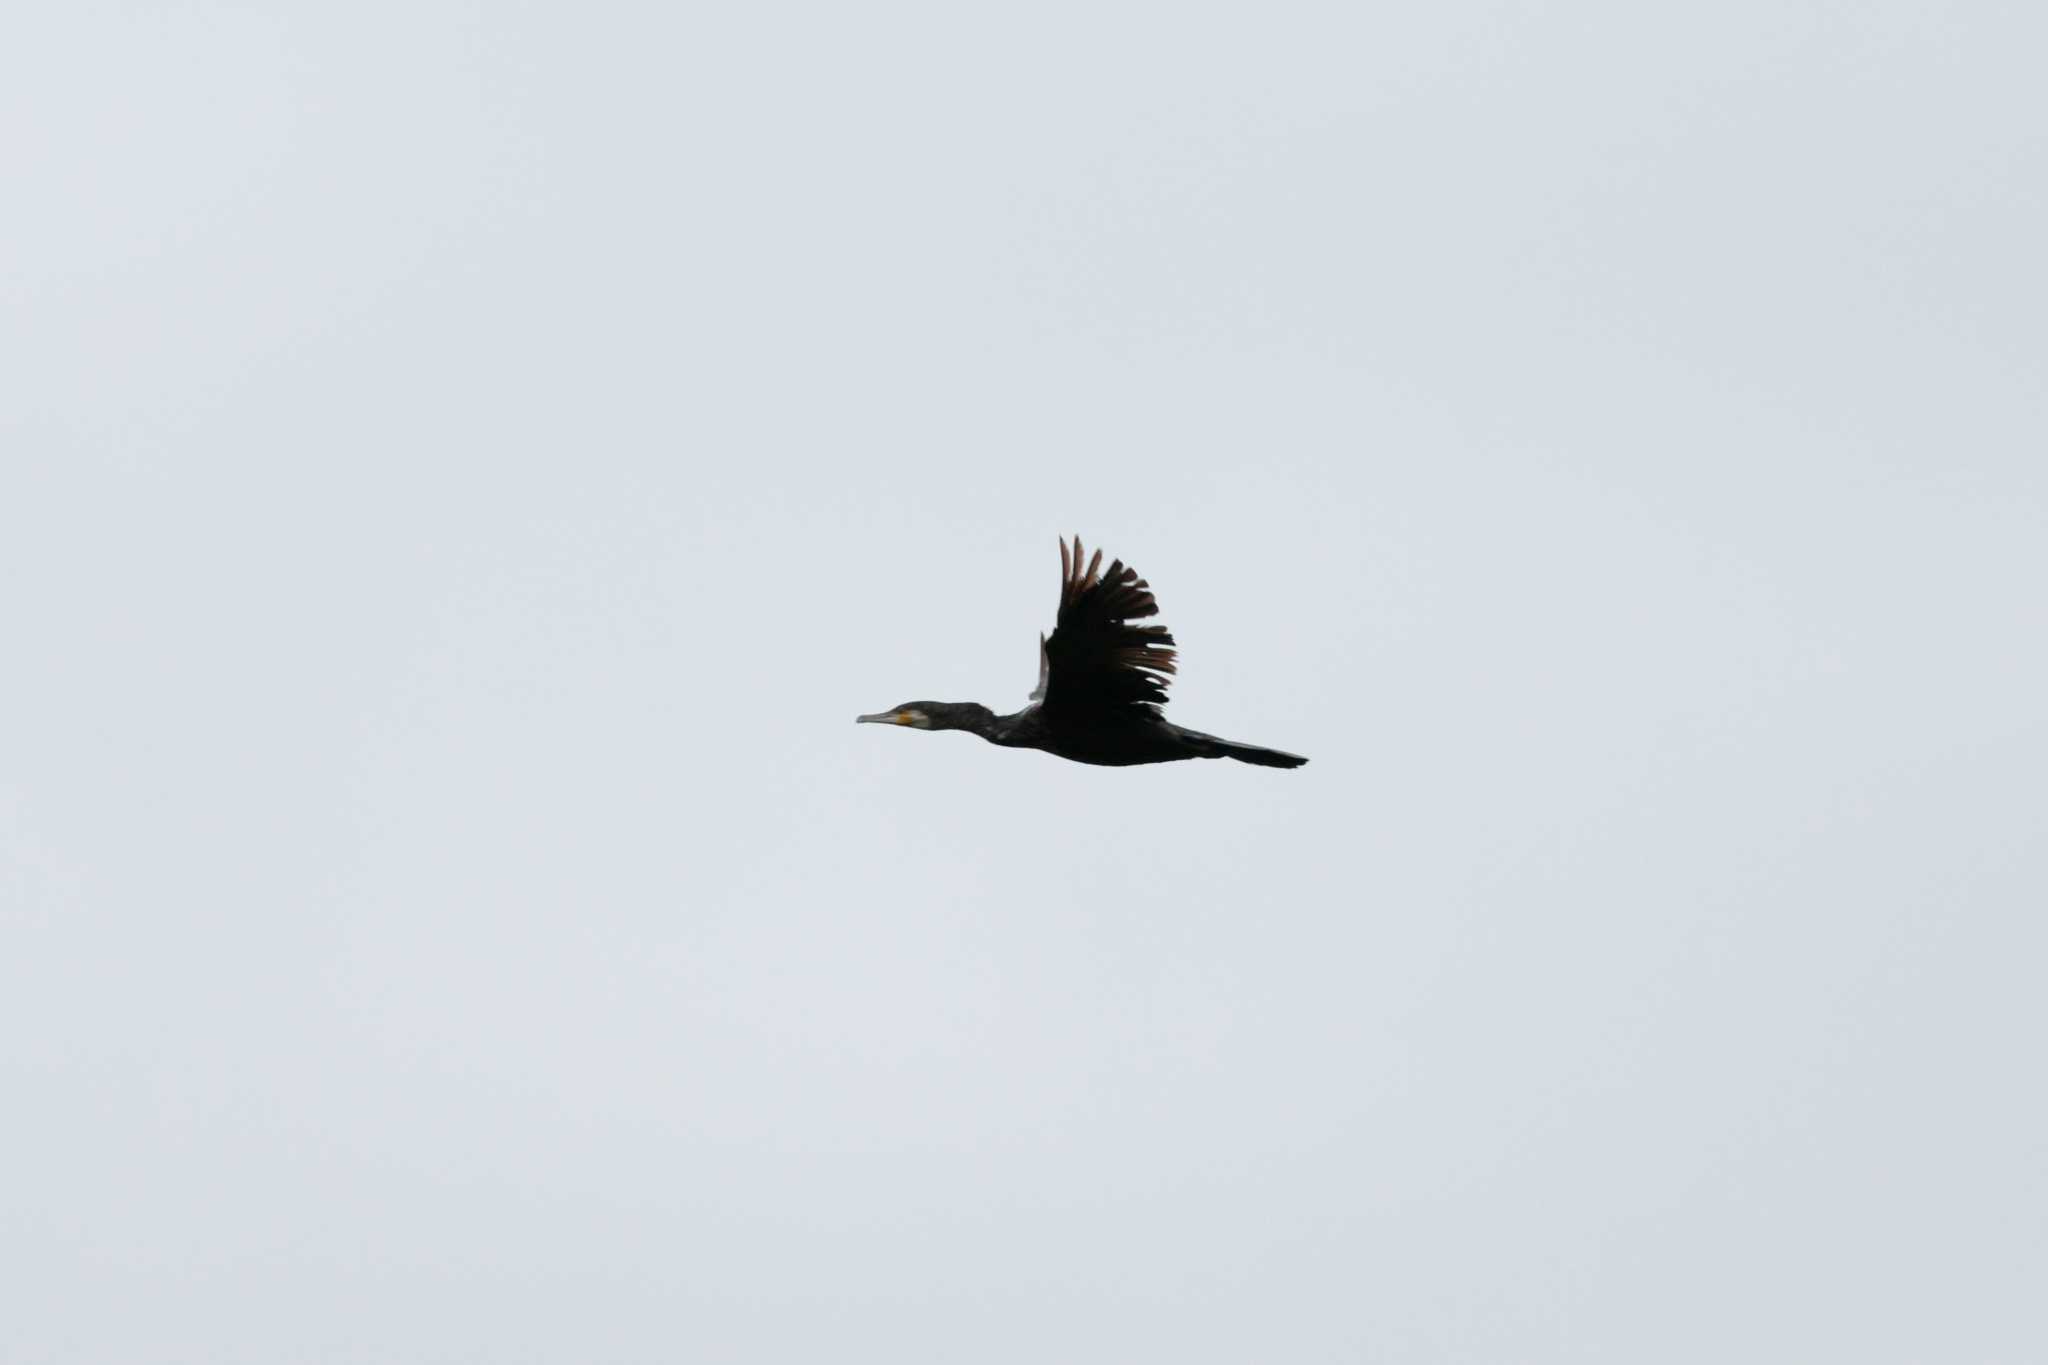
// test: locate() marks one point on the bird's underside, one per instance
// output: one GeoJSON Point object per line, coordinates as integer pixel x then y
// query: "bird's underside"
{"type": "Point", "coordinates": [1101, 683]}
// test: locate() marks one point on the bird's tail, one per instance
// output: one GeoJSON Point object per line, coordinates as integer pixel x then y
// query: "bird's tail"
{"type": "Point", "coordinates": [1265, 758]}
{"type": "Point", "coordinates": [1214, 747]}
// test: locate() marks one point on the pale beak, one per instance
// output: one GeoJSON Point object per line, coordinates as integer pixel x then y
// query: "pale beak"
{"type": "Point", "coordinates": [879, 718]}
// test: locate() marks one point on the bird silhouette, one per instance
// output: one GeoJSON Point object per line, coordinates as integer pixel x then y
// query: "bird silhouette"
{"type": "Point", "coordinates": [1101, 683]}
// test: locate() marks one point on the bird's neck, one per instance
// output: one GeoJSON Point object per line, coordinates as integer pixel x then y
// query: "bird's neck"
{"type": "Point", "coordinates": [971, 716]}
{"type": "Point", "coordinates": [1014, 730]}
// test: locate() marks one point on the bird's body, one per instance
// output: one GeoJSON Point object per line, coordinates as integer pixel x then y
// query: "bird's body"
{"type": "Point", "coordinates": [1101, 682]}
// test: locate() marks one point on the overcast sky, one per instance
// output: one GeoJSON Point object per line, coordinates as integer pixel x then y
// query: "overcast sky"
{"type": "Point", "coordinates": [466, 466]}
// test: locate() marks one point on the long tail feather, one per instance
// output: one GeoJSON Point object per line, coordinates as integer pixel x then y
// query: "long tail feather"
{"type": "Point", "coordinates": [1213, 746]}
{"type": "Point", "coordinates": [1265, 758]}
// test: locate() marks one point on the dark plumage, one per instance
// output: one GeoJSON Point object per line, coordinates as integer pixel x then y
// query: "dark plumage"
{"type": "Point", "coordinates": [1101, 682]}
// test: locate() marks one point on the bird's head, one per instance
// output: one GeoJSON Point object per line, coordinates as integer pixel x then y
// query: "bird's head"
{"type": "Point", "coordinates": [912, 713]}
{"type": "Point", "coordinates": [931, 715]}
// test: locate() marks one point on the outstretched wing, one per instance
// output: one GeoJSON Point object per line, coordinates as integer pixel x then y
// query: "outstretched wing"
{"type": "Point", "coordinates": [1095, 661]}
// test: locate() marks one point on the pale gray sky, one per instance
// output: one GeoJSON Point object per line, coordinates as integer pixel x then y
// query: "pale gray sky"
{"type": "Point", "coordinates": [465, 466]}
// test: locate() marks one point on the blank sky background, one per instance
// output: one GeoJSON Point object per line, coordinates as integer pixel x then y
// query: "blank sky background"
{"type": "Point", "coordinates": [464, 468]}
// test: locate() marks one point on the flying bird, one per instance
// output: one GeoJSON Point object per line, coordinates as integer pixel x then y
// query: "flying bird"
{"type": "Point", "coordinates": [1101, 682]}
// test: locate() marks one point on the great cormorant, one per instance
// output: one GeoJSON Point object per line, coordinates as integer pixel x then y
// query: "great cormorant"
{"type": "Point", "coordinates": [1101, 682]}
